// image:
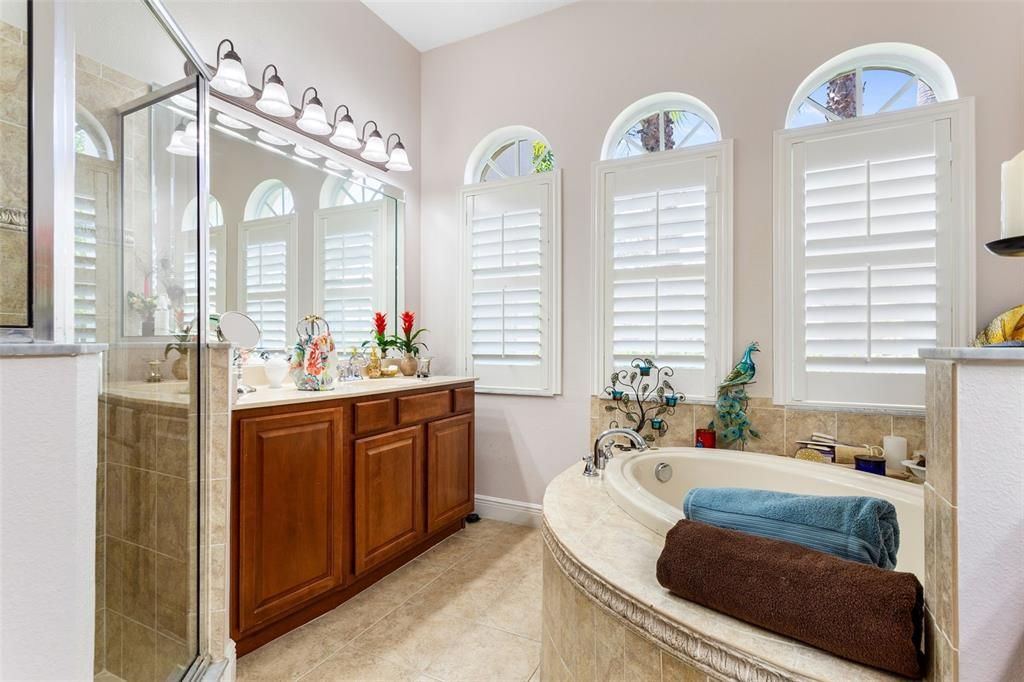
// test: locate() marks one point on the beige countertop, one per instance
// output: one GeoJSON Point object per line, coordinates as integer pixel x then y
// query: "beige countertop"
{"type": "Point", "coordinates": [264, 396]}
{"type": "Point", "coordinates": [601, 540]}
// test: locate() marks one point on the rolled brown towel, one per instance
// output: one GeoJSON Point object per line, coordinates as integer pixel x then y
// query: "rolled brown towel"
{"type": "Point", "coordinates": [859, 612]}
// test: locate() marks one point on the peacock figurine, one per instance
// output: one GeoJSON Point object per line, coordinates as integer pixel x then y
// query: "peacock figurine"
{"type": "Point", "coordinates": [731, 421]}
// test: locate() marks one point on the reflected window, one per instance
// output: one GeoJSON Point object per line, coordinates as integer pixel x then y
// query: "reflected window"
{"type": "Point", "coordinates": [270, 199]}
{"type": "Point", "coordinates": [214, 258]}
{"type": "Point", "coordinates": [346, 189]}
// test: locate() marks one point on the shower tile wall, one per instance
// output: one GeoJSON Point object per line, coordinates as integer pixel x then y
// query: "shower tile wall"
{"type": "Point", "coordinates": [149, 568]}
{"type": "Point", "coordinates": [13, 180]}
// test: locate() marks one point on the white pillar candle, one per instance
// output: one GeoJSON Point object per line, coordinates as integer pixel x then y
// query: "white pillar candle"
{"type": "Point", "coordinates": [895, 451]}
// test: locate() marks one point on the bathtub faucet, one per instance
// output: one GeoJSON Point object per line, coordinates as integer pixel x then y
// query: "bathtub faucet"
{"type": "Point", "coordinates": [603, 451]}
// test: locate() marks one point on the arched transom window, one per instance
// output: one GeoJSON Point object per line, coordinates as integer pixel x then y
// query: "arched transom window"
{"type": "Point", "coordinates": [668, 120]}
{"type": "Point", "coordinates": [347, 188]}
{"type": "Point", "coordinates": [510, 152]}
{"type": "Point", "coordinates": [270, 199]}
{"type": "Point", "coordinates": [869, 80]}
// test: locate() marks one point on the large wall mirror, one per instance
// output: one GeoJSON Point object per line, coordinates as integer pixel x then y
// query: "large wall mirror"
{"type": "Point", "coordinates": [293, 231]}
{"type": "Point", "coordinates": [15, 121]}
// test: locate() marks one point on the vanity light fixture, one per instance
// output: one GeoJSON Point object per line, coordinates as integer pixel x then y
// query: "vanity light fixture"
{"type": "Point", "coordinates": [232, 122]}
{"type": "Point", "coordinates": [271, 139]}
{"type": "Point", "coordinates": [184, 141]}
{"type": "Point", "coordinates": [274, 100]}
{"type": "Point", "coordinates": [230, 77]}
{"type": "Point", "coordinates": [345, 135]}
{"type": "Point", "coordinates": [374, 148]}
{"type": "Point", "coordinates": [331, 163]}
{"type": "Point", "coordinates": [398, 159]}
{"type": "Point", "coordinates": [313, 119]}
{"type": "Point", "coordinates": [306, 153]}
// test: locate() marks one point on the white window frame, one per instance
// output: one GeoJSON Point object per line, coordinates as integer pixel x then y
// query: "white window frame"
{"type": "Point", "coordinates": [290, 224]}
{"type": "Point", "coordinates": [960, 261]}
{"type": "Point", "coordinates": [480, 157]}
{"type": "Point", "coordinates": [553, 360]}
{"type": "Point", "coordinates": [718, 345]}
{"type": "Point", "coordinates": [384, 291]}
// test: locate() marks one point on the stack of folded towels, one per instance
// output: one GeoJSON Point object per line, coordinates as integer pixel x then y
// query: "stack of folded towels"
{"type": "Point", "coordinates": [817, 569]}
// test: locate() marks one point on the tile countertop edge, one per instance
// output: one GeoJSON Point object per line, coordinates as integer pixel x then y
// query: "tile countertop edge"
{"type": "Point", "coordinates": [988, 353]}
{"type": "Point", "coordinates": [265, 396]}
{"type": "Point", "coordinates": [14, 350]}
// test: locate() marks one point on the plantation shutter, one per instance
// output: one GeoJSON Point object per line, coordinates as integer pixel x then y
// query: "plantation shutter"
{"type": "Point", "coordinates": [351, 249]}
{"type": "Point", "coordinates": [191, 273]}
{"type": "Point", "coordinates": [512, 300]}
{"type": "Point", "coordinates": [265, 278]}
{"type": "Point", "coordinates": [93, 225]}
{"type": "Point", "coordinates": [662, 228]}
{"type": "Point", "coordinates": [870, 239]}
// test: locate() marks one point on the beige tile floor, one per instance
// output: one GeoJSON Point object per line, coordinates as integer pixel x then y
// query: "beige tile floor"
{"type": "Point", "coordinates": [468, 609]}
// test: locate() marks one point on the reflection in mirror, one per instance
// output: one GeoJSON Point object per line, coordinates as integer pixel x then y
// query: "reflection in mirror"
{"type": "Point", "coordinates": [15, 287]}
{"type": "Point", "coordinates": [297, 233]}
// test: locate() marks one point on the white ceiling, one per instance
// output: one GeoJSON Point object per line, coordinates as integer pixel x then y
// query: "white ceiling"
{"type": "Point", "coordinates": [427, 24]}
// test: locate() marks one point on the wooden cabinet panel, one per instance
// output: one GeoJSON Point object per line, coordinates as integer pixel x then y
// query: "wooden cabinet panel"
{"type": "Point", "coordinates": [374, 415]}
{"type": "Point", "coordinates": [388, 496]}
{"type": "Point", "coordinates": [450, 482]}
{"type": "Point", "coordinates": [292, 512]}
{"type": "Point", "coordinates": [464, 399]}
{"type": "Point", "coordinates": [416, 408]}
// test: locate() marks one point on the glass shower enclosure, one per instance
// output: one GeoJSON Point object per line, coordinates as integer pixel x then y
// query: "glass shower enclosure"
{"type": "Point", "coordinates": [140, 178]}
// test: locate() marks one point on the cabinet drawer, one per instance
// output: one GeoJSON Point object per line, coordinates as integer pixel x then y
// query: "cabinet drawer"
{"type": "Point", "coordinates": [374, 415]}
{"type": "Point", "coordinates": [464, 399]}
{"type": "Point", "coordinates": [416, 408]}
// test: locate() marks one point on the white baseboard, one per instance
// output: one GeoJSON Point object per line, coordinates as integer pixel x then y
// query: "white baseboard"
{"type": "Point", "coordinates": [509, 511]}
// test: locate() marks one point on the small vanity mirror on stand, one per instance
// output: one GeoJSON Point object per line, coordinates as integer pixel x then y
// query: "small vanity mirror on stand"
{"type": "Point", "coordinates": [244, 335]}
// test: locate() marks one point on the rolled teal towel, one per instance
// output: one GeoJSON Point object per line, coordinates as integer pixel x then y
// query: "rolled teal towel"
{"type": "Point", "coordinates": [862, 529]}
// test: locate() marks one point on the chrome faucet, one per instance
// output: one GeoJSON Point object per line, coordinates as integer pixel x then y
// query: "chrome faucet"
{"type": "Point", "coordinates": [603, 451]}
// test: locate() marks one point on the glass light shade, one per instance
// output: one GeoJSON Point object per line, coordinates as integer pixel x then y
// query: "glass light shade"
{"type": "Point", "coordinates": [374, 149]}
{"type": "Point", "coordinates": [399, 160]}
{"type": "Point", "coordinates": [230, 78]}
{"type": "Point", "coordinates": [274, 100]}
{"type": "Point", "coordinates": [314, 119]}
{"type": "Point", "coordinates": [345, 135]}
{"type": "Point", "coordinates": [331, 163]}
{"type": "Point", "coordinates": [271, 139]}
{"type": "Point", "coordinates": [232, 122]}
{"type": "Point", "coordinates": [191, 134]}
{"type": "Point", "coordinates": [180, 147]}
{"type": "Point", "coordinates": [306, 153]}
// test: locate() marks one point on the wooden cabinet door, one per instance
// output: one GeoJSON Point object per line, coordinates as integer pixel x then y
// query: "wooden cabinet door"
{"type": "Point", "coordinates": [449, 470]}
{"type": "Point", "coordinates": [293, 512]}
{"type": "Point", "coordinates": [388, 496]}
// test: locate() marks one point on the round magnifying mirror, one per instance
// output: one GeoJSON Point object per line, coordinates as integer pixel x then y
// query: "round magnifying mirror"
{"type": "Point", "coordinates": [239, 329]}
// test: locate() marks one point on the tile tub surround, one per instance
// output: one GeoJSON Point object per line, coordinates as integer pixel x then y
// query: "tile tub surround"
{"type": "Point", "coordinates": [780, 426]}
{"type": "Point", "coordinates": [467, 609]}
{"type": "Point", "coordinates": [974, 512]}
{"type": "Point", "coordinates": [600, 587]}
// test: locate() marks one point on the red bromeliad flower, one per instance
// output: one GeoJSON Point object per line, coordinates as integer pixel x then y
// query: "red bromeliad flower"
{"type": "Point", "coordinates": [380, 323]}
{"type": "Point", "coordinates": [408, 320]}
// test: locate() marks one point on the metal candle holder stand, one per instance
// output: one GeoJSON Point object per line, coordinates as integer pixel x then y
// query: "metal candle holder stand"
{"type": "Point", "coordinates": [643, 394]}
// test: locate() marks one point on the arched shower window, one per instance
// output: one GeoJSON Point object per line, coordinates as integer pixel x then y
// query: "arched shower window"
{"type": "Point", "coordinates": [668, 120]}
{"type": "Point", "coordinates": [509, 152]}
{"type": "Point", "coordinates": [869, 80]}
{"type": "Point", "coordinates": [270, 199]}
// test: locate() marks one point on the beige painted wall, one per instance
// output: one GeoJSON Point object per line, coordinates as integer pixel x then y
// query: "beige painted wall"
{"type": "Point", "coordinates": [570, 72]}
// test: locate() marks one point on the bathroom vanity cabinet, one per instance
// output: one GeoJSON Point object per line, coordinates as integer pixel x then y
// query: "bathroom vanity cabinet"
{"type": "Point", "coordinates": [331, 492]}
